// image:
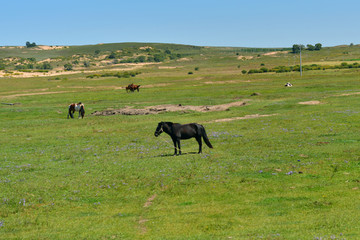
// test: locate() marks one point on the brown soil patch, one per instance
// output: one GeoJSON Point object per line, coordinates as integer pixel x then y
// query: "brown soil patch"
{"type": "Point", "coordinates": [168, 108]}
{"type": "Point", "coordinates": [310, 103]}
{"type": "Point", "coordinates": [241, 118]}
{"type": "Point", "coordinates": [244, 57]}
{"type": "Point", "coordinates": [274, 53]}
{"type": "Point", "coordinates": [348, 94]}
{"type": "Point", "coordinates": [31, 94]}
{"type": "Point", "coordinates": [167, 67]}
{"type": "Point", "coordinates": [142, 220]}
{"type": "Point", "coordinates": [44, 47]}
{"type": "Point", "coordinates": [150, 200]}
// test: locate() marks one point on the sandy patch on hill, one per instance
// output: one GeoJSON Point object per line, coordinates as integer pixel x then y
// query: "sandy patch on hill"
{"type": "Point", "coordinates": [245, 57]}
{"type": "Point", "coordinates": [44, 47]}
{"type": "Point", "coordinates": [165, 67]}
{"type": "Point", "coordinates": [183, 59]}
{"type": "Point", "coordinates": [168, 108]}
{"type": "Point", "coordinates": [274, 53]}
{"type": "Point", "coordinates": [310, 103]}
{"type": "Point", "coordinates": [241, 118]}
{"type": "Point", "coordinates": [57, 72]}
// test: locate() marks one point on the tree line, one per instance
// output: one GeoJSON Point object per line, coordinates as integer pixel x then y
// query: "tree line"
{"type": "Point", "coordinates": [296, 47]}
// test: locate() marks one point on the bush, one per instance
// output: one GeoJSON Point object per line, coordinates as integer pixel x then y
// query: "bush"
{"type": "Point", "coordinates": [140, 59]}
{"type": "Point", "coordinates": [44, 65]}
{"type": "Point", "coordinates": [244, 71]}
{"type": "Point", "coordinates": [190, 73]}
{"type": "Point", "coordinates": [196, 68]}
{"type": "Point", "coordinates": [86, 64]}
{"type": "Point", "coordinates": [264, 69]}
{"type": "Point", "coordinates": [112, 55]}
{"type": "Point", "coordinates": [68, 67]}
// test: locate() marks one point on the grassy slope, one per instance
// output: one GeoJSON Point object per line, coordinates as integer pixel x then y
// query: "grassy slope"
{"type": "Point", "coordinates": [75, 179]}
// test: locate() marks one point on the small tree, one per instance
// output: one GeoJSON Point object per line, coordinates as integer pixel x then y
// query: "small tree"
{"type": "Point", "coordinates": [30, 45]}
{"type": "Point", "coordinates": [244, 71]}
{"type": "Point", "coordinates": [318, 46]}
{"type": "Point", "coordinates": [310, 47]}
{"type": "Point", "coordinates": [296, 48]}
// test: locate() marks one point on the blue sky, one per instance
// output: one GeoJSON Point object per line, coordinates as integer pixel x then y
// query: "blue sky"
{"type": "Point", "coordinates": [251, 23]}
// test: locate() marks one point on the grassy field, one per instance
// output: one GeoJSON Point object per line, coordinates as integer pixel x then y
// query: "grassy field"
{"type": "Point", "coordinates": [290, 172]}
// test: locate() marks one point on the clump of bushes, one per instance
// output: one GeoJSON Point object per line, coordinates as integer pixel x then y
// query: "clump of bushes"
{"type": "Point", "coordinates": [296, 68]}
{"type": "Point", "coordinates": [118, 75]}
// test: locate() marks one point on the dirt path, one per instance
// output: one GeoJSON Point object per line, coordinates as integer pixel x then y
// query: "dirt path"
{"type": "Point", "coordinates": [310, 103]}
{"type": "Point", "coordinates": [241, 118]}
{"type": "Point", "coordinates": [168, 108]}
{"type": "Point", "coordinates": [142, 220]}
{"type": "Point", "coordinates": [31, 94]}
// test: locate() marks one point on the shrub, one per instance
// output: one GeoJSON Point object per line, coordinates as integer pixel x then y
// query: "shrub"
{"type": "Point", "coordinates": [196, 68]}
{"type": "Point", "coordinates": [112, 55]}
{"type": "Point", "coordinates": [264, 69]}
{"type": "Point", "coordinates": [68, 67]}
{"type": "Point", "coordinates": [86, 64]}
{"type": "Point", "coordinates": [44, 65]}
{"type": "Point", "coordinates": [140, 59]}
{"type": "Point", "coordinates": [190, 73]}
{"type": "Point", "coordinates": [243, 71]}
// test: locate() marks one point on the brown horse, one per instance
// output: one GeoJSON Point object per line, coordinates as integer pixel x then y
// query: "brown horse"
{"type": "Point", "coordinates": [79, 107]}
{"type": "Point", "coordinates": [132, 87]}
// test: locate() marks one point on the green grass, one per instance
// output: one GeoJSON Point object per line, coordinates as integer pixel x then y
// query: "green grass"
{"type": "Point", "coordinates": [292, 175]}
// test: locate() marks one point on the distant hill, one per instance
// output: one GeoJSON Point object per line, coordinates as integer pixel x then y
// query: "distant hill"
{"type": "Point", "coordinates": [43, 52]}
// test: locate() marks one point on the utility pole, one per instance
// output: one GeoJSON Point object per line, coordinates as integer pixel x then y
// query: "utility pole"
{"type": "Point", "coordinates": [300, 61]}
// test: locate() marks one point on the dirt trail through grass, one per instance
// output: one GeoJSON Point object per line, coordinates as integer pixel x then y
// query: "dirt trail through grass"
{"type": "Point", "coordinates": [169, 108]}
{"type": "Point", "coordinates": [142, 220]}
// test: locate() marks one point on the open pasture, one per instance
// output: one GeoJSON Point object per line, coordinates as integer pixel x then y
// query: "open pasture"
{"type": "Point", "coordinates": [278, 169]}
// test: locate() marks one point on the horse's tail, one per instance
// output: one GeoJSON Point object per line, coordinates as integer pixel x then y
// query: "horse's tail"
{"type": "Point", "coordinates": [203, 134]}
{"type": "Point", "coordinates": [82, 111]}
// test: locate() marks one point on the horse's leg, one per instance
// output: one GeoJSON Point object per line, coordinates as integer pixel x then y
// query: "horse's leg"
{"type": "Point", "coordinates": [174, 141]}
{"type": "Point", "coordinates": [178, 142]}
{"type": "Point", "coordinates": [198, 139]}
{"type": "Point", "coordinates": [71, 114]}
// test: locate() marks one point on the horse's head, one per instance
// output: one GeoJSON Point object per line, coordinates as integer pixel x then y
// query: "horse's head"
{"type": "Point", "coordinates": [159, 129]}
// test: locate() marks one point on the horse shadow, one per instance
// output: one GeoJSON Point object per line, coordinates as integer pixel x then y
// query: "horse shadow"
{"type": "Point", "coordinates": [172, 155]}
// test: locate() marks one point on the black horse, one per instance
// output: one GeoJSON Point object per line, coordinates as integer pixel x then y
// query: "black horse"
{"type": "Point", "coordinates": [186, 131]}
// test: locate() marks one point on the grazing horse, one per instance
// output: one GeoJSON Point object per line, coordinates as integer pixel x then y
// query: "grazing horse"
{"type": "Point", "coordinates": [186, 131]}
{"type": "Point", "coordinates": [132, 87]}
{"type": "Point", "coordinates": [79, 107]}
